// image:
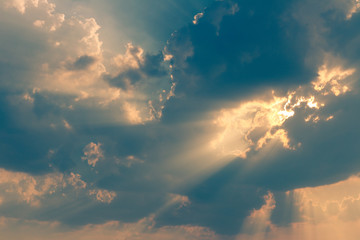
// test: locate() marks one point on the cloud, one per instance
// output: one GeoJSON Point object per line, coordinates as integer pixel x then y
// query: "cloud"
{"type": "Point", "coordinates": [229, 47]}
{"type": "Point", "coordinates": [319, 209]}
{"type": "Point", "coordinates": [137, 69]}
{"type": "Point", "coordinates": [272, 140]}
{"type": "Point", "coordinates": [17, 188]}
{"type": "Point", "coordinates": [103, 196]}
{"type": "Point", "coordinates": [335, 201]}
{"type": "Point", "coordinates": [64, 55]}
{"type": "Point", "coordinates": [142, 229]}
{"type": "Point", "coordinates": [289, 155]}
{"type": "Point", "coordinates": [259, 219]}
{"type": "Point", "coordinates": [253, 124]}
{"type": "Point", "coordinates": [82, 63]}
{"type": "Point", "coordinates": [92, 153]}
{"type": "Point", "coordinates": [75, 181]}
{"type": "Point", "coordinates": [41, 96]}
{"type": "Point", "coordinates": [128, 161]}
{"type": "Point", "coordinates": [197, 17]}
{"type": "Point", "coordinates": [28, 188]}
{"type": "Point", "coordinates": [219, 133]}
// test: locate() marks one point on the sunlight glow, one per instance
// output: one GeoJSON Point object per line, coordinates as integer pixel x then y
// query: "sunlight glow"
{"type": "Point", "coordinates": [329, 80]}
{"type": "Point", "coordinates": [255, 123]}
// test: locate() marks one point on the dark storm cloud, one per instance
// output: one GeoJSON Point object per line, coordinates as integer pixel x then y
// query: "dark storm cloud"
{"type": "Point", "coordinates": [236, 49]}
{"type": "Point", "coordinates": [250, 45]}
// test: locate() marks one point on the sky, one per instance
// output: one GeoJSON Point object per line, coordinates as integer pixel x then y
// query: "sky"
{"type": "Point", "coordinates": [179, 119]}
